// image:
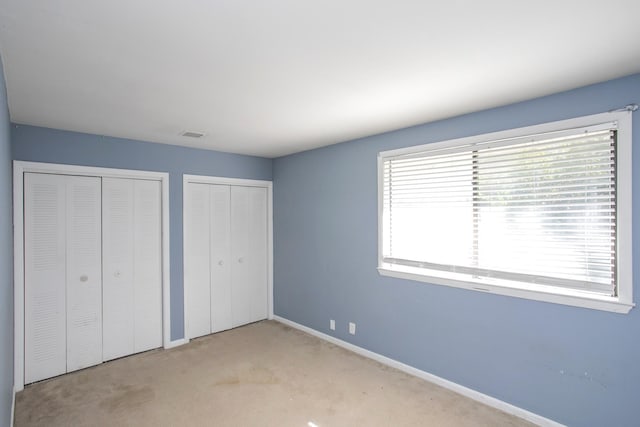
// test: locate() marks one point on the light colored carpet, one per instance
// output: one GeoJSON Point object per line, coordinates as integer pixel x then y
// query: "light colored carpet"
{"type": "Point", "coordinates": [264, 374]}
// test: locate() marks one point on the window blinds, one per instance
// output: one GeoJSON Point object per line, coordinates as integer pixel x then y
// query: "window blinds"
{"type": "Point", "coordinates": [539, 209]}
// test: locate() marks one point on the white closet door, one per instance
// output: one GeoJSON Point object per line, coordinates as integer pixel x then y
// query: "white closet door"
{"type": "Point", "coordinates": [45, 276]}
{"type": "Point", "coordinates": [220, 252]}
{"type": "Point", "coordinates": [147, 238]}
{"type": "Point", "coordinates": [84, 272]}
{"type": "Point", "coordinates": [197, 273]}
{"type": "Point", "coordinates": [132, 289]}
{"type": "Point", "coordinates": [249, 254]}
{"type": "Point", "coordinates": [117, 288]}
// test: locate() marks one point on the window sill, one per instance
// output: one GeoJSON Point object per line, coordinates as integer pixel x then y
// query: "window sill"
{"type": "Point", "coordinates": [565, 297]}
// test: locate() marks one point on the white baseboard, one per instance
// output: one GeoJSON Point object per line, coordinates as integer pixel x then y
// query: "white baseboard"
{"type": "Point", "coordinates": [460, 389]}
{"type": "Point", "coordinates": [176, 343]}
{"type": "Point", "coordinates": [13, 406]}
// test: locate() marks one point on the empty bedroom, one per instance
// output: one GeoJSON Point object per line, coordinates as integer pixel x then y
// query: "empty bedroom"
{"type": "Point", "coordinates": [319, 214]}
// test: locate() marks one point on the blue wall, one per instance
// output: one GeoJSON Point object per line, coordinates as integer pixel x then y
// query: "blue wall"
{"type": "Point", "coordinates": [55, 146]}
{"type": "Point", "coordinates": [577, 366]}
{"type": "Point", "coordinates": [6, 260]}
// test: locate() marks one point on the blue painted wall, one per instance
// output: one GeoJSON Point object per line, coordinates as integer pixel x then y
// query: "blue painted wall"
{"type": "Point", "coordinates": [56, 146]}
{"type": "Point", "coordinates": [6, 260]}
{"type": "Point", "coordinates": [577, 366]}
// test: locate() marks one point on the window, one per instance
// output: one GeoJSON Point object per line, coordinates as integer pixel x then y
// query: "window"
{"type": "Point", "coordinates": [542, 212]}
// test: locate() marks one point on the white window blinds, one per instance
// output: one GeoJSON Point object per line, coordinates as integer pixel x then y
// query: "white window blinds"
{"type": "Point", "coordinates": [539, 209]}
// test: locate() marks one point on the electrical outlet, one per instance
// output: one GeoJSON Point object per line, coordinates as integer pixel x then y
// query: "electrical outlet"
{"type": "Point", "coordinates": [352, 328]}
{"type": "Point", "coordinates": [332, 324]}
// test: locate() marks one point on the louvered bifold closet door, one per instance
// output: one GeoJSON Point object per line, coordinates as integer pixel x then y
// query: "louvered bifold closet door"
{"type": "Point", "coordinates": [248, 254]}
{"type": "Point", "coordinates": [147, 255]}
{"type": "Point", "coordinates": [220, 241]}
{"type": "Point", "coordinates": [132, 289]}
{"type": "Point", "coordinates": [84, 272]}
{"type": "Point", "coordinates": [63, 279]}
{"type": "Point", "coordinates": [45, 276]}
{"type": "Point", "coordinates": [197, 273]}
{"type": "Point", "coordinates": [117, 291]}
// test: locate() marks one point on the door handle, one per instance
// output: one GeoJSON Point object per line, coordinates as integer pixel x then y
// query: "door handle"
{"type": "Point", "coordinates": [241, 260]}
{"type": "Point", "coordinates": [84, 278]}
{"type": "Point", "coordinates": [220, 262]}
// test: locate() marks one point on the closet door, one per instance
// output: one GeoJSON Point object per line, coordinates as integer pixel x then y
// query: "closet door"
{"type": "Point", "coordinates": [84, 272]}
{"type": "Point", "coordinates": [220, 256]}
{"type": "Point", "coordinates": [132, 290]}
{"type": "Point", "coordinates": [225, 256]}
{"type": "Point", "coordinates": [197, 273]}
{"type": "Point", "coordinates": [248, 254]}
{"type": "Point", "coordinates": [45, 325]}
{"type": "Point", "coordinates": [147, 255]}
{"type": "Point", "coordinates": [117, 289]}
{"type": "Point", "coordinates": [93, 271]}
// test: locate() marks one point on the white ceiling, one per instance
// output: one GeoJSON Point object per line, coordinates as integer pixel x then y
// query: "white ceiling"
{"type": "Point", "coordinates": [274, 77]}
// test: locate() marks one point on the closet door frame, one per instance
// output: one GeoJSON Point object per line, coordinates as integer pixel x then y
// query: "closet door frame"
{"type": "Point", "coordinates": [204, 179]}
{"type": "Point", "coordinates": [22, 167]}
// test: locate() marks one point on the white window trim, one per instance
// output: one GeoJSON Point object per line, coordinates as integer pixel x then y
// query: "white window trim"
{"type": "Point", "coordinates": [619, 304]}
{"type": "Point", "coordinates": [22, 167]}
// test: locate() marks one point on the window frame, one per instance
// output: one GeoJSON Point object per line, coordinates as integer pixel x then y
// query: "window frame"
{"type": "Point", "coordinates": [623, 302]}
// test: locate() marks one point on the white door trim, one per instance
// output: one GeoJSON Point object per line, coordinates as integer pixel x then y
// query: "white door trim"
{"type": "Point", "coordinates": [19, 169]}
{"type": "Point", "coordinates": [203, 179]}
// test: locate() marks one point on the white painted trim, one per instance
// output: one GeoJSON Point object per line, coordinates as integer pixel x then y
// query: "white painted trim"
{"type": "Point", "coordinates": [19, 168]}
{"type": "Point", "coordinates": [624, 200]}
{"type": "Point", "coordinates": [575, 299]}
{"type": "Point", "coordinates": [204, 179]}
{"type": "Point", "coordinates": [270, 250]}
{"type": "Point", "coordinates": [53, 168]}
{"type": "Point", "coordinates": [166, 265]}
{"type": "Point", "coordinates": [623, 302]}
{"type": "Point", "coordinates": [221, 180]}
{"type": "Point", "coordinates": [13, 407]}
{"type": "Point", "coordinates": [457, 388]}
{"type": "Point", "coordinates": [18, 277]}
{"type": "Point", "coordinates": [561, 125]}
{"type": "Point", "coordinates": [176, 343]}
{"type": "Point", "coordinates": [185, 291]}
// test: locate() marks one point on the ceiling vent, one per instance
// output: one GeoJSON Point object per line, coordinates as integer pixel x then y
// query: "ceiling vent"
{"type": "Point", "coordinates": [192, 134]}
